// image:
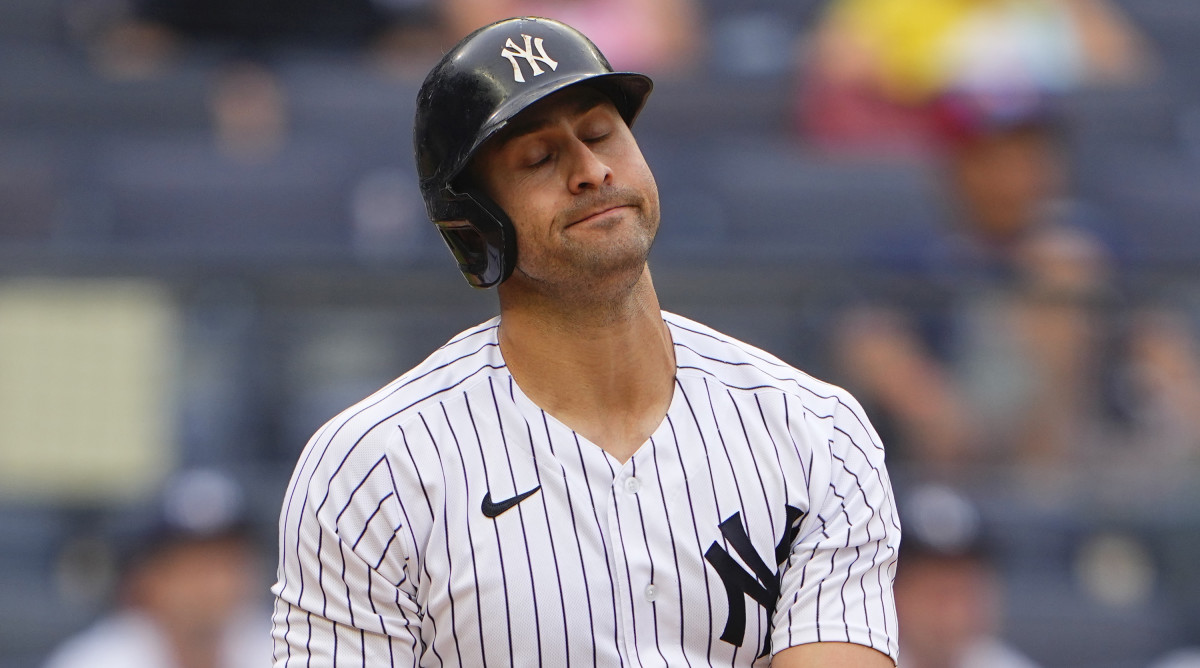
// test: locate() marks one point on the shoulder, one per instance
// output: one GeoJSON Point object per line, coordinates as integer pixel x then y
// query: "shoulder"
{"type": "Point", "coordinates": [345, 473]}
{"type": "Point", "coordinates": [358, 436]}
{"type": "Point", "coordinates": [703, 351]}
{"type": "Point", "coordinates": [469, 357]}
{"type": "Point", "coordinates": [471, 354]}
{"type": "Point", "coordinates": [704, 355]}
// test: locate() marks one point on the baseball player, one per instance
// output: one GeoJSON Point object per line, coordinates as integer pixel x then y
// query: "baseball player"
{"type": "Point", "coordinates": [584, 480]}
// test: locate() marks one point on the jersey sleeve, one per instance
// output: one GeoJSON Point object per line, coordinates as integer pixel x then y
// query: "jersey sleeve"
{"type": "Point", "coordinates": [836, 585]}
{"type": "Point", "coordinates": [344, 596]}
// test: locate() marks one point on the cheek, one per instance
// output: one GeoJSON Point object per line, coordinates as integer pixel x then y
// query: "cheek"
{"type": "Point", "coordinates": [635, 164]}
{"type": "Point", "coordinates": [644, 182]}
{"type": "Point", "coordinates": [651, 189]}
{"type": "Point", "coordinates": [531, 216]}
{"type": "Point", "coordinates": [522, 195]}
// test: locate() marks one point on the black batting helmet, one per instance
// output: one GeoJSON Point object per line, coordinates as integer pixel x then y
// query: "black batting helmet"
{"type": "Point", "coordinates": [484, 81]}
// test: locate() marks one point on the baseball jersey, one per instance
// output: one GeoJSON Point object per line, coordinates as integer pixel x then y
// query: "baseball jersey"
{"type": "Point", "coordinates": [447, 520]}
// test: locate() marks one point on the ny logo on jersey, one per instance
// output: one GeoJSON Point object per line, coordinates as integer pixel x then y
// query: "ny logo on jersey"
{"type": "Point", "coordinates": [763, 586]}
{"type": "Point", "coordinates": [512, 52]}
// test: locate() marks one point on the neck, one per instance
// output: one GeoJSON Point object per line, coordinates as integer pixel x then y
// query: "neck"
{"type": "Point", "coordinates": [606, 370]}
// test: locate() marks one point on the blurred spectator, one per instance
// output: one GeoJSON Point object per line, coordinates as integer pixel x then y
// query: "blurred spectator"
{"type": "Point", "coordinates": [248, 107]}
{"type": "Point", "coordinates": [188, 595]}
{"type": "Point", "coordinates": [117, 42]}
{"type": "Point", "coordinates": [1021, 358]}
{"type": "Point", "coordinates": [874, 68]}
{"type": "Point", "coordinates": [133, 39]}
{"type": "Point", "coordinates": [321, 23]}
{"type": "Point", "coordinates": [948, 593]}
{"type": "Point", "coordinates": [660, 37]}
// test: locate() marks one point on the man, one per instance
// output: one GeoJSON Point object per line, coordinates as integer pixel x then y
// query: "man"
{"type": "Point", "coordinates": [584, 480]}
{"type": "Point", "coordinates": [186, 592]}
{"type": "Point", "coordinates": [949, 588]}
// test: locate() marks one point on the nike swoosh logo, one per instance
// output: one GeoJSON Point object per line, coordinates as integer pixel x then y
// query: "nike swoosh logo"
{"type": "Point", "coordinates": [493, 509]}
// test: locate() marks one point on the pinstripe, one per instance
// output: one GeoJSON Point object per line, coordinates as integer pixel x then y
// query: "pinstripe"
{"type": "Point", "coordinates": [762, 484]}
{"type": "Point", "coordinates": [340, 544]}
{"type": "Point", "coordinates": [778, 379]}
{"type": "Point", "coordinates": [370, 519]}
{"type": "Point", "coordinates": [429, 505]}
{"type": "Point", "coordinates": [395, 529]}
{"type": "Point", "coordinates": [674, 549]}
{"type": "Point", "coordinates": [386, 495]}
{"type": "Point", "coordinates": [699, 544]}
{"type": "Point", "coordinates": [349, 601]}
{"type": "Point", "coordinates": [562, 601]}
{"type": "Point", "coordinates": [500, 550]}
{"type": "Point", "coordinates": [308, 639]}
{"type": "Point", "coordinates": [408, 524]}
{"type": "Point", "coordinates": [449, 557]}
{"type": "Point", "coordinates": [578, 542]}
{"type": "Point", "coordinates": [470, 539]}
{"type": "Point", "coordinates": [333, 626]}
{"type": "Point", "coordinates": [833, 556]}
{"type": "Point", "coordinates": [875, 471]}
{"type": "Point", "coordinates": [707, 457]}
{"type": "Point", "coordinates": [649, 558]}
{"type": "Point", "coordinates": [716, 503]}
{"type": "Point", "coordinates": [806, 468]}
{"type": "Point", "coordinates": [754, 458]}
{"type": "Point", "coordinates": [402, 383]}
{"type": "Point", "coordinates": [766, 620]}
{"type": "Point", "coordinates": [412, 637]}
{"type": "Point", "coordinates": [537, 623]}
{"type": "Point", "coordinates": [283, 562]}
{"type": "Point", "coordinates": [821, 582]}
{"type": "Point", "coordinates": [736, 485]}
{"type": "Point", "coordinates": [398, 386]}
{"type": "Point", "coordinates": [704, 443]}
{"type": "Point", "coordinates": [867, 527]}
{"type": "Point", "coordinates": [628, 578]}
{"type": "Point", "coordinates": [724, 446]}
{"type": "Point", "coordinates": [595, 513]}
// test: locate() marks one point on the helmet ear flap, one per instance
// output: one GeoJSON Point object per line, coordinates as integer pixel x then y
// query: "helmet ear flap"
{"type": "Point", "coordinates": [481, 238]}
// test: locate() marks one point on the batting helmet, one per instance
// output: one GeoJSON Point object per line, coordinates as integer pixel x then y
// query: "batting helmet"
{"type": "Point", "coordinates": [483, 82]}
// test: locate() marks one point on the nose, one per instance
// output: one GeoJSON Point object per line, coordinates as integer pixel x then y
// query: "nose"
{"type": "Point", "coordinates": [588, 170]}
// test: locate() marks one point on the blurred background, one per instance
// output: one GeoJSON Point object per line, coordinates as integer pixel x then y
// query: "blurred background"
{"type": "Point", "coordinates": [981, 216]}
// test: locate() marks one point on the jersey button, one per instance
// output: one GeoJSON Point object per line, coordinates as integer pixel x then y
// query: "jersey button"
{"type": "Point", "coordinates": [632, 485]}
{"type": "Point", "coordinates": [651, 592]}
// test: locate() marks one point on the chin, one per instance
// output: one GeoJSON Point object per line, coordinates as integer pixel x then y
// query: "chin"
{"type": "Point", "coordinates": [619, 258]}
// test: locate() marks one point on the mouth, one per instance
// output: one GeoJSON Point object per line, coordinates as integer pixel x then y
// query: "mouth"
{"type": "Point", "coordinates": [597, 214]}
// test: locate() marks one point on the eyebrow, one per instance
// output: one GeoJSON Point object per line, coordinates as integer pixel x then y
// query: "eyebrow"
{"type": "Point", "coordinates": [518, 127]}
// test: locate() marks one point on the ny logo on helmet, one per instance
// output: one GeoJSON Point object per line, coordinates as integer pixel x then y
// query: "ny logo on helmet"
{"type": "Point", "coordinates": [512, 52]}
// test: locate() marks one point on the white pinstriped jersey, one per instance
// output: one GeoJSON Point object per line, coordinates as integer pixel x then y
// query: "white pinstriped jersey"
{"type": "Point", "coordinates": [759, 515]}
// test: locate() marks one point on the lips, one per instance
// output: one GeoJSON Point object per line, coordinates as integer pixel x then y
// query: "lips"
{"type": "Point", "coordinates": [597, 211]}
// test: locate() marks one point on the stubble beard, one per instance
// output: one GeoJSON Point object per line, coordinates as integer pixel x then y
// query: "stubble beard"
{"type": "Point", "coordinates": [581, 270]}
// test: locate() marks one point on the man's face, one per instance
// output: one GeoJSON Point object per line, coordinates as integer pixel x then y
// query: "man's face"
{"type": "Point", "coordinates": [945, 603]}
{"type": "Point", "coordinates": [570, 175]}
{"type": "Point", "coordinates": [1005, 180]}
{"type": "Point", "coordinates": [194, 585]}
